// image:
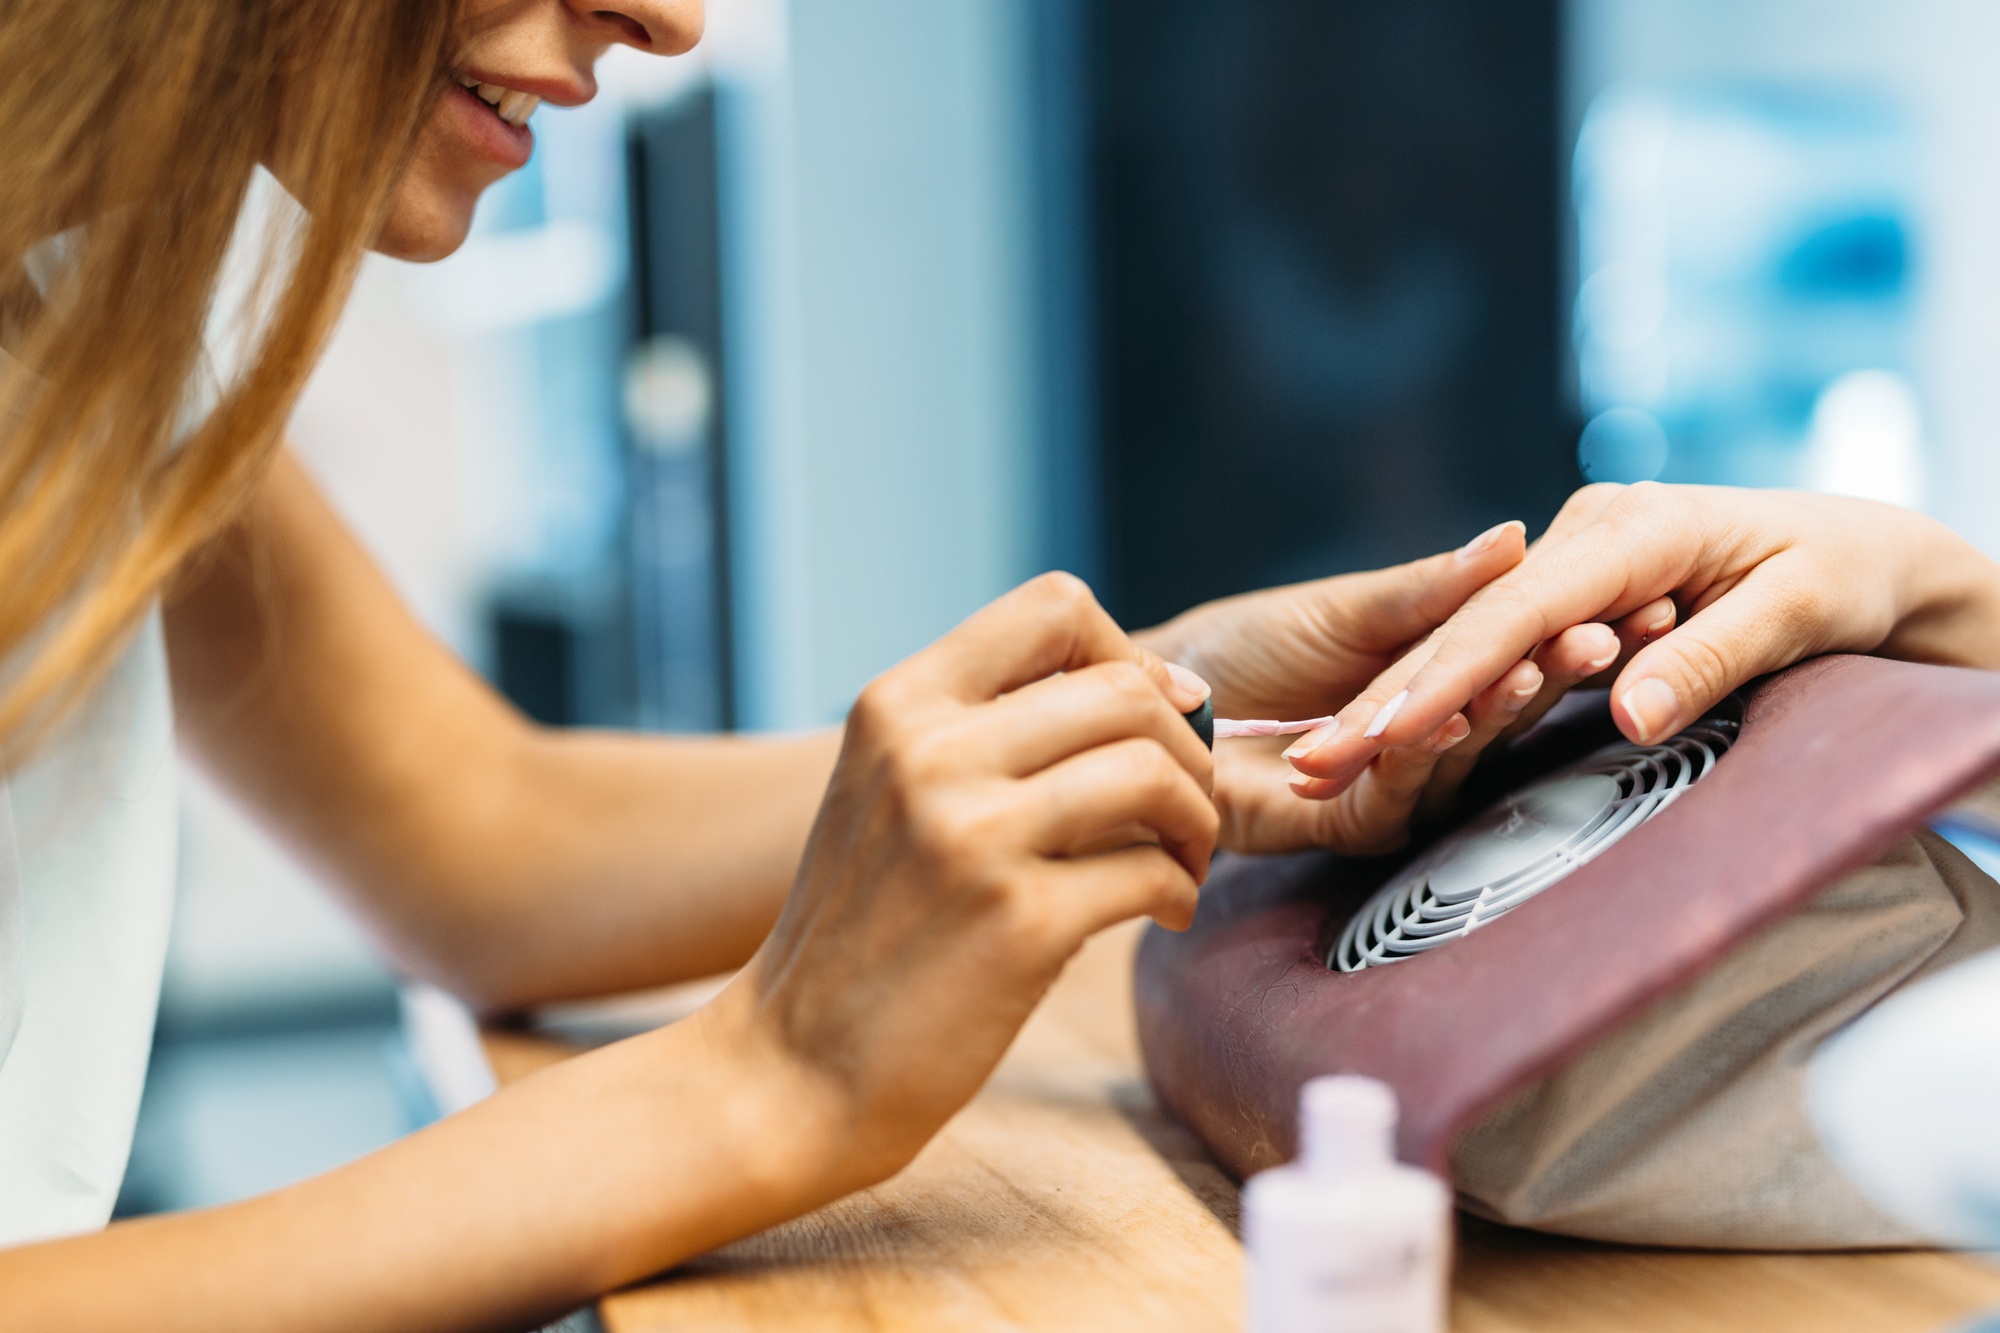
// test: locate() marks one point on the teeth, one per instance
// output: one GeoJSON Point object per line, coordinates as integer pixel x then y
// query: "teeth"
{"type": "Point", "coordinates": [515, 108]}
{"type": "Point", "coordinates": [511, 106]}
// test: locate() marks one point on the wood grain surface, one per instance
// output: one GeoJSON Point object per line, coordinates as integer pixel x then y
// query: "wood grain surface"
{"type": "Point", "coordinates": [1062, 1198]}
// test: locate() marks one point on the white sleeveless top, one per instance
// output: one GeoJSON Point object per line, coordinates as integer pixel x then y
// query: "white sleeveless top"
{"type": "Point", "coordinates": [88, 847]}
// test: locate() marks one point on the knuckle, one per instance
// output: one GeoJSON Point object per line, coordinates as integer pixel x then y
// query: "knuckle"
{"type": "Point", "coordinates": [1064, 590]}
{"type": "Point", "coordinates": [1129, 684]}
{"type": "Point", "coordinates": [1640, 505]}
{"type": "Point", "coordinates": [1166, 878]}
{"type": "Point", "coordinates": [913, 759]}
{"type": "Point", "coordinates": [1593, 496]}
{"type": "Point", "coordinates": [872, 704]}
{"type": "Point", "coordinates": [1705, 667]}
{"type": "Point", "coordinates": [1208, 820]}
{"type": "Point", "coordinates": [878, 710]}
{"type": "Point", "coordinates": [1511, 602]}
{"type": "Point", "coordinates": [953, 834]}
{"type": "Point", "coordinates": [1151, 769]}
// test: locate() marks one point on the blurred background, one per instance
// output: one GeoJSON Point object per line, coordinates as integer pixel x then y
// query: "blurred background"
{"type": "Point", "coordinates": [781, 358]}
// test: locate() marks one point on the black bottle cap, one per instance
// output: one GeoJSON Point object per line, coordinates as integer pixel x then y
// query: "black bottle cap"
{"type": "Point", "coordinates": [1202, 720]}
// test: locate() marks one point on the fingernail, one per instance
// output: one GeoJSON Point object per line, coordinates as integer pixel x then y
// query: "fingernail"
{"type": "Point", "coordinates": [1193, 689]}
{"type": "Point", "coordinates": [1517, 699]}
{"type": "Point", "coordinates": [1661, 621]}
{"type": "Point", "coordinates": [1386, 716]}
{"type": "Point", "coordinates": [1312, 740]}
{"type": "Point", "coordinates": [1454, 731]}
{"type": "Point", "coordinates": [1485, 540]}
{"type": "Point", "coordinates": [1610, 653]}
{"type": "Point", "coordinates": [1652, 707]}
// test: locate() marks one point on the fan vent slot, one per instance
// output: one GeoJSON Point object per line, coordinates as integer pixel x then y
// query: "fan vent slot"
{"type": "Point", "coordinates": [1531, 840]}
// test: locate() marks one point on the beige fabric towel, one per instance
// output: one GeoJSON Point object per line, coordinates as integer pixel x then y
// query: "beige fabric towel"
{"type": "Point", "coordinates": [1688, 1126]}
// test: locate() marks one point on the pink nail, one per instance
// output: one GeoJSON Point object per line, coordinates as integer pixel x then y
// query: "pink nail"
{"type": "Point", "coordinates": [1484, 541]}
{"type": "Point", "coordinates": [1386, 716]}
{"type": "Point", "coordinates": [1192, 687]}
{"type": "Point", "coordinates": [1312, 740]}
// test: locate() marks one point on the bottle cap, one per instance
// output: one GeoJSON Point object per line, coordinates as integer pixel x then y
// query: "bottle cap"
{"type": "Point", "coordinates": [1202, 719]}
{"type": "Point", "coordinates": [1347, 1124]}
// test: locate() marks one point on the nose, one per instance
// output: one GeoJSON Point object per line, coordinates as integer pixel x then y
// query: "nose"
{"type": "Point", "coordinates": [657, 27]}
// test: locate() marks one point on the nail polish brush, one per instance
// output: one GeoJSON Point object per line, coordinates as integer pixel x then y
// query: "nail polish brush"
{"type": "Point", "coordinates": [1212, 728]}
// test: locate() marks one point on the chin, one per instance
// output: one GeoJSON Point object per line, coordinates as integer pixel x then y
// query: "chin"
{"type": "Point", "coordinates": [426, 228]}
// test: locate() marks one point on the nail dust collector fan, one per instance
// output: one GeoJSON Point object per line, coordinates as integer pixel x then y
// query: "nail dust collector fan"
{"type": "Point", "coordinates": [1594, 999]}
{"type": "Point", "coordinates": [1523, 844]}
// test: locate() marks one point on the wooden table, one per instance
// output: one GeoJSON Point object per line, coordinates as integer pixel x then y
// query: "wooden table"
{"type": "Point", "coordinates": [1062, 1198]}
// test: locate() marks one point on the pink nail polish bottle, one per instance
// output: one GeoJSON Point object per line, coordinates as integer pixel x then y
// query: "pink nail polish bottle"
{"type": "Point", "coordinates": [1347, 1238]}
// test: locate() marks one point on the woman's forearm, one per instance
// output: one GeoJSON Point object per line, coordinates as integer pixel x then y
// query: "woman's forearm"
{"type": "Point", "coordinates": [510, 862]}
{"type": "Point", "coordinates": [617, 862]}
{"type": "Point", "coordinates": [585, 1177]}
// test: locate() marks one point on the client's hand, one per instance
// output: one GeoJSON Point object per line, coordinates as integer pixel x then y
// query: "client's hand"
{"type": "Point", "coordinates": [986, 815]}
{"type": "Point", "coordinates": [1307, 650]}
{"type": "Point", "coordinates": [1758, 580]}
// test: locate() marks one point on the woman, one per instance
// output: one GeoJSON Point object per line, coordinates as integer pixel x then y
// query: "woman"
{"type": "Point", "coordinates": [897, 894]}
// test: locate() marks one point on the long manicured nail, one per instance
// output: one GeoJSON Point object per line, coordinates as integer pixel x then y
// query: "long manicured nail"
{"type": "Point", "coordinates": [1652, 706]}
{"type": "Point", "coordinates": [1193, 689]}
{"type": "Point", "coordinates": [1312, 740]}
{"type": "Point", "coordinates": [1386, 716]}
{"type": "Point", "coordinates": [1483, 543]}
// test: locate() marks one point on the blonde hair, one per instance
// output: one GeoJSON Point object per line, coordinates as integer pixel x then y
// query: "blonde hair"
{"type": "Point", "coordinates": [136, 129]}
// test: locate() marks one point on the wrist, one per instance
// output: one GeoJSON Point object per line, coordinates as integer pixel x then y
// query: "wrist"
{"type": "Point", "coordinates": [789, 1125]}
{"type": "Point", "coordinates": [1951, 602]}
{"type": "Point", "coordinates": [677, 1142]}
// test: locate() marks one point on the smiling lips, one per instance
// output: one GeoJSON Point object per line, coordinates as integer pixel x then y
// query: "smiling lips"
{"type": "Point", "coordinates": [511, 106]}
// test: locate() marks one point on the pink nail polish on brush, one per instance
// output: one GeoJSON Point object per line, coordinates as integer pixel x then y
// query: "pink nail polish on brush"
{"type": "Point", "coordinates": [1229, 728]}
{"type": "Point", "coordinates": [1212, 728]}
{"type": "Point", "coordinates": [1313, 740]}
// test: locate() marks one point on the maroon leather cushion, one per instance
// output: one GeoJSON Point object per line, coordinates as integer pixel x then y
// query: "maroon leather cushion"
{"type": "Point", "coordinates": [1837, 759]}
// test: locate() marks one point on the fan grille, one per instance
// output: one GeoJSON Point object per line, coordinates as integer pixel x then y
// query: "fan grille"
{"type": "Point", "coordinates": [1527, 842]}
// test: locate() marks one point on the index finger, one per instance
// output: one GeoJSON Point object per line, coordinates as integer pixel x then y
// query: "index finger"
{"type": "Point", "coordinates": [1049, 624]}
{"type": "Point", "coordinates": [1599, 573]}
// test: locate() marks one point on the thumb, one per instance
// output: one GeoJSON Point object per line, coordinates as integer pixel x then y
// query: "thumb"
{"type": "Point", "coordinates": [1740, 636]}
{"type": "Point", "coordinates": [1183, 688]}
{"type": "Point", "coordinates": [1386, 608]}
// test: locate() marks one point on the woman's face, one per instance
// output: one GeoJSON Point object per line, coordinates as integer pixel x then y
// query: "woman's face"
{"type": "Point", "coordinates": [515, 54]}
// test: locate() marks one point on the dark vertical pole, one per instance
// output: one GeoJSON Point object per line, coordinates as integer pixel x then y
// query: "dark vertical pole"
{"type": "Point", "coordinates": [679, 485]}
{"type": "Point", "coordinates": [1070, 534]}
